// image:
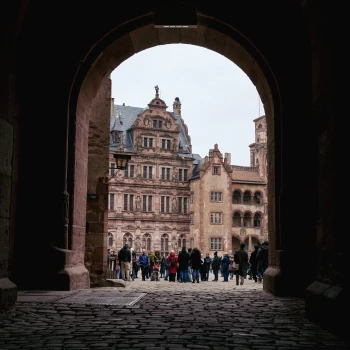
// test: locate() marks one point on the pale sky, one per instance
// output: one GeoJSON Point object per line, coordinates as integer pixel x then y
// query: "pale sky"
{"type": "Point", "coordinates": [218, 101]}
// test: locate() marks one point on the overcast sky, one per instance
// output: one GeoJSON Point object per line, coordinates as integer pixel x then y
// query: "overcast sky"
{"type": "Point", "coordinates": [218, 101]}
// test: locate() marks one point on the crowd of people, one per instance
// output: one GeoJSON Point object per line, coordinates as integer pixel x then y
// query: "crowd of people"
{"type": "Point", "coordinates": [189, 265]}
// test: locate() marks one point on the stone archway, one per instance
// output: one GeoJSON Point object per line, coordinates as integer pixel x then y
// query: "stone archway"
{"type": "Point", "coordinates": [119, 47]}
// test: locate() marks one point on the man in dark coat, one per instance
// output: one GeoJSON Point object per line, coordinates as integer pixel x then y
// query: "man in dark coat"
{"type": "Point", "coordinates": [263, 259]}
{"type": "Point", "coordinates": [253, 261]}
{"type": "Point", "coordinates": [196, 264]}
{"type": "Point", "coordinates": [241, 258]}
{"type": "Point", "coordinates": [183, 259]}
{"type": "Point", "coordinates": [124, 257]}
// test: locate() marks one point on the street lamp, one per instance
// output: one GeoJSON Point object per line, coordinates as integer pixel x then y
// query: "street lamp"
{"type": "Point", "coordinates": [121, 160]}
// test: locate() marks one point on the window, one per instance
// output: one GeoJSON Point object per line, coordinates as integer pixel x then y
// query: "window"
{"type": "Point", "coordinates": [147, 242]}
{"type": "Point", "coordinates": [215, 243]}
{"type": "Point", "coordinates": [247, 220]}
{"type": "Point", "coordinates": [236, 197]}
{"type": "Point", "coordinates": [257, 220]}
{"type": "Point", "coordinates": [111, 201]}
{"type": "Point", "coordinates": [129, 173]}
{"type": "Point", "coordinates": [160, 124]}
{"type": "Point", "coordinates": [236, 220]}
{"type": "Point", "coordinates": [147, 172]}
{"type": "Point", "coordinates": [216, 218]}
{"type": "Point", "coordinates": [166, 144]}
{"type": "Point", "coordinates": [164, 245]}
{"type": "Point", "coordinates": [113, 169]}
{"type": "Point", "coordinates": [154, 123]}
{"type": "Point", "coordinates": [110, 239]}
{"type": "Point", "coordinates": [183, 174]}
{"type": "Point", "coordinates": [147, 203]}
{"type": "Point", "coordinates": [128, 202]}
{"type": "Point", "coordinates": [165, 175]}
{"type": "Point", "coordinates": [181, 242]}
{"type": "Point", "coordinates": [216, 170]}
{"type": "Point", "coordinates": [215, 196]}
{"type": "Point", "coordinates": [127, 239]}
{"type": "Point", "coordinates": [247, 198]}
{"type": "Point", "coordinates": [257, 198]}
{"type": "Point", "coordinates": [182, 205]}
{"type": "Point", "coordinates": [147, 142]}
{"type": "Point", "coordinates": [165, 204]}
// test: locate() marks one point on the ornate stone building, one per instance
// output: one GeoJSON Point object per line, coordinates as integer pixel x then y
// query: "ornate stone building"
{"type": "Point", "coordinates": [168, 197]}
{"type": "Point", "coordinates": [148, 202]}
{"type": "Point", "coordinates": [228, 203]}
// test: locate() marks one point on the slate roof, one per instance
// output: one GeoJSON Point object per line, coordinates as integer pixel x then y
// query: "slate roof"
{"type": "Point", "coordinates": [124, 117]}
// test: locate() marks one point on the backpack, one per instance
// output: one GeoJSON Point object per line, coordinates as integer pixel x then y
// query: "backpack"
{"type": "Point", "coordinates": [171, 263]}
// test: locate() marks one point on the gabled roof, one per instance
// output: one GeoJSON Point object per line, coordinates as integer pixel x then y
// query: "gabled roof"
{"type": "Point", "coordinates": [124, 117]}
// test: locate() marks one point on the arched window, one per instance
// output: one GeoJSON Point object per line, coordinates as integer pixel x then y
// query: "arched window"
{"type": "Point", "coordinates": [164, 245]}
{"type": "Point", "coordinates": [110, 239]}
{"type": "Point", "coordinates": [257, 198]}
{"type": "Point", "coordinates": [127, 239]}
{"type": "Point", "coordinates": [247, 198]}
{"type": "Point", "coordinates": [147, 242]}
{"type": "Point", "coordinates": [247, 220]}
{"type": "Point", "coordinates": [257, 220]}
{"type": "Point", "coordinates": [236, 219]}
{"type": "Point", "coordinates": [236, 197]}
{"type": "Point", "coordinates": [181, 242]}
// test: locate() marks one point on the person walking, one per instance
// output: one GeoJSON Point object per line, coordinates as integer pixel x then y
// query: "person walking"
{"type": "Point", "coordinates": [216, 265]}
{"type": "Point", "coordinates": [241, 258]}
{"type": "Point", "coordinates": [263, 260]}
{"type": "Point", "coordinates": [183, 259]}
{"type": "Point", "coordinates": [253, 261]}
{"type": "Point", "coordinates": [124, 257]}
{"type": "Point", "coordinates": [196, 263]}
{"type": "Point", "coordinates": [189, 272]}
{"type": "Point", "coordinates": [117, 267]}
{"type": "Point", "coordinates": [143, 261]}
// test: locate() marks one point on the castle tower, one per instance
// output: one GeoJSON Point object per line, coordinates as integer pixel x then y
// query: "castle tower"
{"type": "Point", "coordinates": [177, 106]}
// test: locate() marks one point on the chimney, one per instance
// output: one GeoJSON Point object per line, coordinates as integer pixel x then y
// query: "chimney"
{"type": "Point", "coordinates": [177, 106]}
{"type": "Point", "coordinates": [228, 158]}
{"type": "Point", "coordinates": [112, 106]}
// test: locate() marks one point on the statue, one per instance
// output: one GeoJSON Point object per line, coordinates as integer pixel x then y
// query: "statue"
{"type": "Point", "coordinates": [137, 245]}
{"type": "Point", "coordinates": [157, 89]}
{"type": "Point", "coordinates": [174, 245]}
{"type": "Point", "coordinates": [175, 146]}
{"type": "Point", "coordinates": [174, 174]}
{"type": "Point", "coordinates": [138, 170]}
{"type": "Point", "coordinates": [138, 203]}
{"type": "Point", "coordinates": [174, 204]}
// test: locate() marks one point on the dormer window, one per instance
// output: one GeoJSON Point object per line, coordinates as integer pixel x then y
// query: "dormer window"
{"type": "Point", "coordinates": [157, 124]}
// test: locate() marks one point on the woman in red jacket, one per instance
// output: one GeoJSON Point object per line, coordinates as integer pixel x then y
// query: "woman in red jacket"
{"type": "Point", "coordinates": [172, 268]}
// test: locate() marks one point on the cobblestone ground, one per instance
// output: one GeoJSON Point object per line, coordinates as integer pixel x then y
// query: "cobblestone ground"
{"type": "Point", "coordinates": [162, 315]}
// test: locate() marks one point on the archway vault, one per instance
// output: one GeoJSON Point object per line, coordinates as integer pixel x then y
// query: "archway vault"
{"type": "Point", "coordinates": [120, 44]}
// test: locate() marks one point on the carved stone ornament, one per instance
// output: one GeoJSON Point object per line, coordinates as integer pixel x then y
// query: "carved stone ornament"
{"type": "Point", "coordinates": [168, 123]}
{"type": "Point", "coordinates": [146, 121]}
{"type": "Point", "coordinates": [243, 232]}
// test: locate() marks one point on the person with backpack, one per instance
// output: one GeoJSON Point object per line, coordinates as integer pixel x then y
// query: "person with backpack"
{"type": "Point", "coordinates": [172, 266]}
